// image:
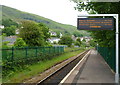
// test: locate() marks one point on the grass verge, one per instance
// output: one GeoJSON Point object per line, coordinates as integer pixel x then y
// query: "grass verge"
{"type": "Point", "coordinates": [35, 69]}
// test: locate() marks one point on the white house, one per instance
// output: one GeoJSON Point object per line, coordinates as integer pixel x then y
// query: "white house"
{"type": "Point", "coordinates": [74, 38]}
{"type": "Point", "coordinates": [17, 31]}
{"type": "Point", "coordinates": [81, 38]}
{"type": "Point", "coordinates": [53, 33]}
{"type": "Point", "coordinates": [61, 35]}
{"type": "Point", "coordinates": [52, 40]}
{"type": "Point", "coordinates": [87, 39]}
{"type": "Point", "coordinates": [2, 27]}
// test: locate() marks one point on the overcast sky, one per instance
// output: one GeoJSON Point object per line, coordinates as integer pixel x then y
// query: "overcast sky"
{"type": "Point", "coordinates": [61, 11]}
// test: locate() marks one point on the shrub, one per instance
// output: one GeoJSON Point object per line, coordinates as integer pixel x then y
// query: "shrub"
{"type": "Point", "coordinates": [19, 43]}
{"type": "Point", "coordinates": [66, 40]}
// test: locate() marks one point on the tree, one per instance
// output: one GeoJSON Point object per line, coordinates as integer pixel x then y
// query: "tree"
{"type": "Point", "coordinates": [104, 38]}
{"type": "Point", "coordinates": [19, 43]}
{"type": "Point", "coordinates": [92, 43]}
{"type": "Point", "coordinates": [78, 42]}
{"type": "Point", "coordinates": [77, 34]}
{"type": "Point", "coordinates": [83, 43]}
{"type": "Point", "coordinates": [58, 34]}
{"type": "Point", "coordinates": [5, 44]}
{"type": "Point", "coordinates": [78, 39]}
{"type": "Point", "coordinates": [32, 34]}
{"type": "Point", "coordinates": [66, 40]}
{"type": "Point", "coordinates": [45, 31]}
{"type": "Point", "coordinates": [9, 30]}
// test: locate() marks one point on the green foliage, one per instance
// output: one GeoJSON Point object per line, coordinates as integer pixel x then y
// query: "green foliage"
{"type": "Point", "coordinates": [9, 22]}
{"type": "Point", "coordinates": [16, 58]}
{"type": "Point", "coordinates": [78, 39]}
{"type": "Point", "coordinates": [9, 30]}
{"type": "Point", "coordinates": [34, 69]}
{"type": "Point", "coordinates": [19, 43]}
{"type": "Point", "coordinates": [78, 34]}
{"type": "Point", "coordinates": [104, 38]}
{"type": "Point", "coordinates": [0, 42]}
{"type": "Point", "coordinates": [54, 42]}
{"type": "Point", "coordinates": [3, 35]}
{"type": "Point", "coordinates": [78, 42]}
{"type": "Point", "coordinates": [16, 15]}
{"type": "Point", "coordinates": [83, 43]}
{"type": "Point", "coordinates": [58, 34]}
{"type": "Point", "coordinates": [5, 44]}
{"type": "Point", "coordinates": [66, 40]}
{"type": "Point", "coordinates": [45, 30]}
{"type": "Point", "coordinates": [83, 40]}
{"type": "Point", "coordinates": [32, 34]}
{"type": "Point", "coordinates": [93, 43]}
{"type": "Point", "coordinates": [47, 43]}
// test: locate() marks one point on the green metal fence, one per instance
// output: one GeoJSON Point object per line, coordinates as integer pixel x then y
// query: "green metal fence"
{"type": "Point", "coordinates": [108, 54]}
{"type": "Point", "coordinates": [13, 58]}
{"type": "Point", "coordinates": [29, 54]}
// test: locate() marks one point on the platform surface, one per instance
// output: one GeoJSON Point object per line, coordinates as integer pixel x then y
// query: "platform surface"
{"type": "Point", "coordinates": [94, 70]}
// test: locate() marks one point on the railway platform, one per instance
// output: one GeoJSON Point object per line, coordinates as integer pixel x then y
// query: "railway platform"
{"type": "Point", "coordinates": [91, 69]}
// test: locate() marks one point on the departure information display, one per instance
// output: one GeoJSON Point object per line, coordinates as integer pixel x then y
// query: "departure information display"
{"type": "Point", "coordinates": [95, 23]}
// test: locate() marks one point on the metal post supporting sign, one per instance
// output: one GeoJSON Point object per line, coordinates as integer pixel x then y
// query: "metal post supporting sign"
{"type": "Point", "coordinates": [117, 41]}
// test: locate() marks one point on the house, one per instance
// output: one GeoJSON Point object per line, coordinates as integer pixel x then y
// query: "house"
{"type": "Point", "coordinates": [81, 38]}
{"type": "Point", "coordinates": [87, 39]}
{"type": "Point", "coordinates": [17, 31]}
{"type": "Point", "coordinates": [2, 27]}
{"type": "Point", "coordinates": [53, 33]}
{"type": "Point", "coordinates": [55, 39]}
{"type": "Point", "coordinates": [61, 35]}
{"type": "Point", "coordinates": [74, 38]}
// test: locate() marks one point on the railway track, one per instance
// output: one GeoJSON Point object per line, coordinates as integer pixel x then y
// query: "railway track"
{"type": "Point", "coordinates": [57, 76]}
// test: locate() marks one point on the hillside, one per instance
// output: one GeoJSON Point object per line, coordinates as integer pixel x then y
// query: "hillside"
{"type": "Point", "coordinates": [16, 15]}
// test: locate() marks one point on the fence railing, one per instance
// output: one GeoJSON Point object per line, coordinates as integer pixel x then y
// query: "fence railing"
{"type": "Point", "coordinates": [108, 54]}
{"type": "Point", "coordinates": [29, 53]}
